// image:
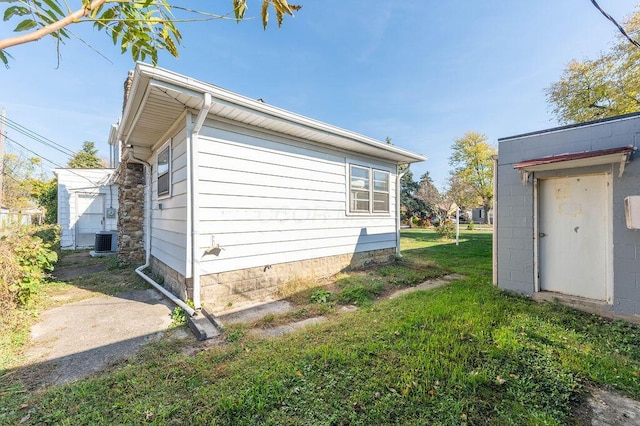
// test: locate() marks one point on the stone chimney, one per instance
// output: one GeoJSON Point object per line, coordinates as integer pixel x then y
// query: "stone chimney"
{"type": "Point", "coordinates": [131, 214]}
{"type": "Point", "coordinates": [127, 89]}
{"type": "Point", "coordinates": [131, 186]}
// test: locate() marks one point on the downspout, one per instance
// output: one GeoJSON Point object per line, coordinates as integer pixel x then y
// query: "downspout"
{"type": "Point", "coordinates": [147, 237]}
{"type": "Point", "coordinates": [195, 187]}
{"type": "Point", "coordinates": [398, 197]}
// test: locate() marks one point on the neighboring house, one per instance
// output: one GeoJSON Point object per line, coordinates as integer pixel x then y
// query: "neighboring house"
{"type": "Point", "coordinates": [479, 216]}
{"type": "Point", "coordinates": [87, 205]}
{"type": "Point", "coordinates": [235, 200]}
{"type": "Point", "coordinates": [28, 216]}
{"type": "Point", "coordinates": [561, 223]}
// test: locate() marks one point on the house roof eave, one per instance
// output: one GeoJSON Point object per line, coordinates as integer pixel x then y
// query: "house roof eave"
{"type": "Point", "coordinates": [155, 86]}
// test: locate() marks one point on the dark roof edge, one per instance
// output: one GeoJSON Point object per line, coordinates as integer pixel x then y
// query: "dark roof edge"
{"type": "Point", "coordinates": [572, 126]}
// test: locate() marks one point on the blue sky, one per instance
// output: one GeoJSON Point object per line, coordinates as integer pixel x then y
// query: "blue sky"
{"type": "Point", "coordinates": [421, 72]}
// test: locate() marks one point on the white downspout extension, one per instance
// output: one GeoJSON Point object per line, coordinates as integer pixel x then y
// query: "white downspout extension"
{"type": "Point", "coordinates": [398, 178]}
{"type": "Point", "coordinates": [195, 211]}
{"type": "Point", "coordinates": [147, 237]}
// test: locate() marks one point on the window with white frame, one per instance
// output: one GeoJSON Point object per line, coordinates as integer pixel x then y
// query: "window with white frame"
{"type": "Point", "coordinates": [163, 171]}
{"type": "Point", "coordinates": [368, 190]}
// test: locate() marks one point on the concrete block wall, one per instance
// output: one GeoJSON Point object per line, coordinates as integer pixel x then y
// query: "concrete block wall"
{"type": "Point", "coordinates": [515, 232]}
{"type": "Point", "coordinates": [626, 243]}
{"type": "Point", "coordinates": [516, 269]}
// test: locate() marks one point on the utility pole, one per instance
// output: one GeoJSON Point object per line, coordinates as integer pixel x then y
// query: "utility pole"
{"type": "Point", "coordinates": [2, 134]}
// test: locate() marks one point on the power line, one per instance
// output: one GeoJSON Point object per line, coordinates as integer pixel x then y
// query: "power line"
{"type": "Point", "coordinates": [32, 152]}
{"type": "Point", "coordinates": [71, 170]}
{"type": "Point", "coordinates": [37, 137]}
{"type": "Point", "coordinates": [609, 17]}
{"type": "Point", "coordinates": [17, 150]}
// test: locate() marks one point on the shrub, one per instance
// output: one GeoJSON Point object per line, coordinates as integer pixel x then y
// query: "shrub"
{"type": "Point", "coordinates": [446, 229]}
{"type": "Point", "coordinates": [25, 260]}
{"type": "Point", "coordinates": [471, 226]}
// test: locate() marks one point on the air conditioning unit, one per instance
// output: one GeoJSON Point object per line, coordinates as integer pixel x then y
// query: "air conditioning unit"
{"type": "Point", "coordinates": [103, 242]}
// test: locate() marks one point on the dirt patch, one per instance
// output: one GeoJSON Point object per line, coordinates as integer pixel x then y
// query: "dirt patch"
{"type": "Point", "coordinates": [610, 409]}
{"type": "Point", "coordinates": [75, 265]}
{"type": "Point", "coordinates": [71, 273]}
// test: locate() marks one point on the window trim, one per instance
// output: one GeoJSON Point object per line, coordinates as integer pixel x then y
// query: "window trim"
{"type": "Point", "coordinates": [167, 147]}
{"type": "Point", "coordinates": [374, 191]}
{"type": "Point", "coordinates": [371, 192]}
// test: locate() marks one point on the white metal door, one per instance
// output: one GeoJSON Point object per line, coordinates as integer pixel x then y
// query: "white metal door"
{"type": "Point", "coordinates": [90, 218]}
{"type": "Point", "coordinates": [574, 249]}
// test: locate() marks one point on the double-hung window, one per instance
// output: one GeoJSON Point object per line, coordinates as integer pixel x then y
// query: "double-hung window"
{"type": "Point", "coordinates": [163, 170]}
{"type": "Point", "coordinates": [368, 190]}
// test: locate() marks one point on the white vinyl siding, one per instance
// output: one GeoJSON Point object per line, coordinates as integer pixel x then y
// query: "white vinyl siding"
{"type": "Point", "coordinates": [266, 199]}
{"type": "Point", "coordinates": [169, 212]}
{"type": "Point", "coordinates": [88, 182]}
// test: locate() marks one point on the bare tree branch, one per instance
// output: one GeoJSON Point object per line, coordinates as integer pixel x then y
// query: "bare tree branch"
{"type": "Point", "coordinates": [48, 29]}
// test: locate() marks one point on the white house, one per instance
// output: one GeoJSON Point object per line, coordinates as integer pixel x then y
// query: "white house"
{"type": "Point", "coordinates": [232, 199]}
{"type": "Point", "coordinates": [87, 205]}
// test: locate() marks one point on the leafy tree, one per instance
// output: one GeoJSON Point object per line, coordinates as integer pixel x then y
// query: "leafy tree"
{"type": "Point", "coordinates": [461, 193]}
{"type": "Point", "coordinates": [411, 205]}
{"type": "Point", "coordinates": [606, 86]}
{"type": "Point", "coordinates": [143, 27]}
{"type": "Point", "coordinates": [46, 193]}
{"type": "Point", "coordinates": [86, 158]}
{"type": "Point", "coordinates": [472, 159]}
{"type": "Point", "coordinates": [428, 194]}
{"type": "Point", "coordinates": [17, 171]}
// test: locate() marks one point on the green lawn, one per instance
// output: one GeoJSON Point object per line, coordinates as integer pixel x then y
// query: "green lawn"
{"type": "Point", "coordinates": [465, 353]}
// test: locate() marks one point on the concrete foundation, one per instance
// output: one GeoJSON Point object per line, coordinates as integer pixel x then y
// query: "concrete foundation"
{"type": "Point", "coordinates": [264, 283]}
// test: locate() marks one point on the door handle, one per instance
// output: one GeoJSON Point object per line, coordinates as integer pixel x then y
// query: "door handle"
{"type": "Point", "coordinates": [542, 235]}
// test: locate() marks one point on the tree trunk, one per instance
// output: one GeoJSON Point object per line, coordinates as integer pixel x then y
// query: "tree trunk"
{"type": "Point", "coordinates": [486, 209]}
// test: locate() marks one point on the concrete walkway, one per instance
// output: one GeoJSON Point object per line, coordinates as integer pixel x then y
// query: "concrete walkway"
{"type": "Point", "coordinates": [81, 338]}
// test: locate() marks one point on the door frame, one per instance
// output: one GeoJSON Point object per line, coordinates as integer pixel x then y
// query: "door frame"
{"type": "Point", "coordinates": [608, 229]}
{"type": "Point", "coordinates": [77, 196]}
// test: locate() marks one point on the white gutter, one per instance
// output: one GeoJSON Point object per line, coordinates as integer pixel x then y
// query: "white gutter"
{"type": "Point", "coordinates": [195, 211]}
{"type": "Point", "coordinates": [227, 98]}
{"type": "Point", "coordinates": [147, 235]}
{"type": "Point", "coordinates": [398, 222]}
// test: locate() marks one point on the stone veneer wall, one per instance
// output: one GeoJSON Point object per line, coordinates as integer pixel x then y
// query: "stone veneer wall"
{"type": "Point", "coordinates": [131, 214]}
{"type": "Point", "coordinates": [222, 290]}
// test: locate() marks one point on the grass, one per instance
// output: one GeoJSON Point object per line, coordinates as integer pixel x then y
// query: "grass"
{"type": "Point", "coordinates": [464, 353]}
